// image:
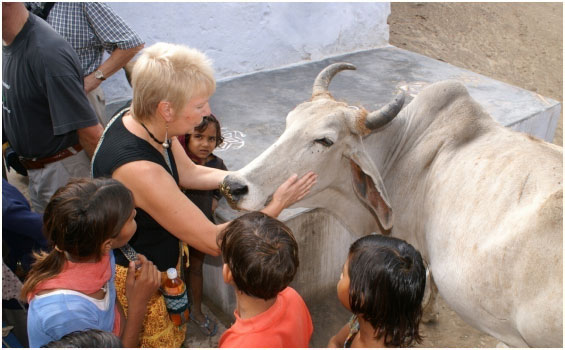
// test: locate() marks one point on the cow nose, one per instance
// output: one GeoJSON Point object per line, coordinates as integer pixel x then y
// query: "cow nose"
{"type": "Point", "coordinates": [234, 190]}
{"type": "Point", "coordinates": [238, 190]}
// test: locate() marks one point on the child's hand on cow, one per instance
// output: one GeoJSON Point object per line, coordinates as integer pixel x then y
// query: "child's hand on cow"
{"type": "Point", "coordinates": [294, 189]}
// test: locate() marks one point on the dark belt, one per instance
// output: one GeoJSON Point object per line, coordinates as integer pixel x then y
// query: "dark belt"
{"type": "Point", "coordinates": [35, 163]}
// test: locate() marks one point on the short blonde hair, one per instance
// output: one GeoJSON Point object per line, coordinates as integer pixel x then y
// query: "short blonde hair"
{"type": "Point", "coordinates": [172, 73]}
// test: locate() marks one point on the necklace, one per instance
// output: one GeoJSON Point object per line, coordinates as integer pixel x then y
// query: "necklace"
{"type": "Point", "coordinates": [165, 143]}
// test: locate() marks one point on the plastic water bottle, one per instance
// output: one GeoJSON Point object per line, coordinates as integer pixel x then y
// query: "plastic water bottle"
{"type": "Point", "coordinates": [174, 292]}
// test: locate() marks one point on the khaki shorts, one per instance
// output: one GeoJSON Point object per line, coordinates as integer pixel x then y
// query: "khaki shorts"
{"type": "Point", "coordinates": [45, 181]}
{"type": "Point", "coordinates": [98, 102]}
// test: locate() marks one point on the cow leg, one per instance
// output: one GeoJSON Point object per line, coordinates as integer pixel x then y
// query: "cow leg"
{"type": "Point", "coordinates": [429, 302]}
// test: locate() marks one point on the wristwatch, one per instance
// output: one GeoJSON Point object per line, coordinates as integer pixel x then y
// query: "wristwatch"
{"type": "Point", "coordinates": [99, 75]}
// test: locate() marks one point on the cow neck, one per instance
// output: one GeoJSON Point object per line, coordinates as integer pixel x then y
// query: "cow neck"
{"type": "Point", "coordinates": [388, 144]}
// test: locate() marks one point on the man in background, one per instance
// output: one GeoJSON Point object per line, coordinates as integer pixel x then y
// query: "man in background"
{"type": "Point", "coordinates": [92, 28]}
{"type": "Point", "coordinates": [46, 116]}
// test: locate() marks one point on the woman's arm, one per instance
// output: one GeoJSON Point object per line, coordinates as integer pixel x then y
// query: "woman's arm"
{"type": "Point", "coordinates": [155, 191]}
{"type": "Point", "coordinates": [192, 176]}
{"type": "Point", "coordinates": [138, 292]}
{"type": "Point", "coordinates": [338, 340]}
{"type": "Point", "coordinates": [200, 177]}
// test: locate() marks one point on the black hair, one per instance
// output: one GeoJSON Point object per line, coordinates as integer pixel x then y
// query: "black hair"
{"type": "Point", "coordinates": [79, 217]}
{"type": "Point", "coordinates": [84, 213]}
{"type": "Point", "coordinates": [261, 253]}
{"type": "Point", "coordinates": [387, 280]}
{"type": "Point", "coordinates": [91, 338]}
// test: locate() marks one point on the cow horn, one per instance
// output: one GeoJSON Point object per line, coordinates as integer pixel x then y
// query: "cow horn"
{"type": "Point", "coordinates": [325, 77]}
{"type": "Point", "coordinates": [386, 113]}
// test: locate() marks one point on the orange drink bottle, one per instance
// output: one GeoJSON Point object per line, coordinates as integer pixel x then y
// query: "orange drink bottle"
{"type": "Point", "coordinates": [174, 292]}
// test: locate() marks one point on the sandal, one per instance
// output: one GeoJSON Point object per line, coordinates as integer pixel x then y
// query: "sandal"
{"type": "Point", "coordinates": [208, 327]}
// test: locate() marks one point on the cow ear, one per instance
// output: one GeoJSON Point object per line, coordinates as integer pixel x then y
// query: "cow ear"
{"type": "Point", "coordinates": [370, 189]}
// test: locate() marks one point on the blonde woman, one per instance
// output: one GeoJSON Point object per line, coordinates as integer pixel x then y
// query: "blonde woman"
{"type": "Point", "coordinates": [171, 88]}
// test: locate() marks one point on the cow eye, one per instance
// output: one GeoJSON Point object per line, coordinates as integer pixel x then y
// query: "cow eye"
{"type": "Point", "coordinates": [324, 142]}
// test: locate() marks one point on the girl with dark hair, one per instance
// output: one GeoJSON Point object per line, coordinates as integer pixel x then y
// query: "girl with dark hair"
{"type": "Point", "coordinates": [382, 284]}
{"type": "Point", "coordinates": [72, 287]}
{"type": "Point", "coordinates": [199, 146]}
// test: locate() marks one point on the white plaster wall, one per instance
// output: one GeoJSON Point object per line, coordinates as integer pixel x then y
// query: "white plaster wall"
{"type": "Point", "coordinates": [248, 37]}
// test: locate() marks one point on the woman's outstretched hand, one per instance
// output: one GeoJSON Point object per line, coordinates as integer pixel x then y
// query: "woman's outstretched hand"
{"type": "Point", "coordinates": [290, 192]}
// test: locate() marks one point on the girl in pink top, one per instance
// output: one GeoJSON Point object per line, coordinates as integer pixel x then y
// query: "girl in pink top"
{"type": "Point", "coordinates": [72, 287]}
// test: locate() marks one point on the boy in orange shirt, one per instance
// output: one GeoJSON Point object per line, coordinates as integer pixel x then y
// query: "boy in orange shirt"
{"type": "Point", "coordinates": [260, 260]}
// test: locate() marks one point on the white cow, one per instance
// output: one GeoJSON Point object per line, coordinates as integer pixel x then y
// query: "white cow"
{"type": "Point", "coordinates": [483, 204]}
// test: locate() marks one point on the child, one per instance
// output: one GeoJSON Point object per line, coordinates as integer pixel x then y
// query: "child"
{"type": "Point", "coordinates": [92, 338]}
{"type": "Point", "coordinates": [72, 287]}
{"type": "Point", "coordinates": [199, 146]}
{"type": "Point", "coordinates": [383, 284]}
{"type": "Point", "coordinates": [260, 260]}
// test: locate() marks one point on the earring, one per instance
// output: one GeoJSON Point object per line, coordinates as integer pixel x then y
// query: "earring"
{"type": "Point", "coordinates": [106, 248]}
{"type": "Point", "coordinates": [167, 142]}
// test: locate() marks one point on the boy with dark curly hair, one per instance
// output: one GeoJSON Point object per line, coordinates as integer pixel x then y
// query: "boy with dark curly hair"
{"type": "Point", "coordinates": [260, 260]}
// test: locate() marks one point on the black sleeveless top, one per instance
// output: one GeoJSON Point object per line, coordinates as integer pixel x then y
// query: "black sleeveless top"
{"type": "Point", "coordinates": [118, 146]}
